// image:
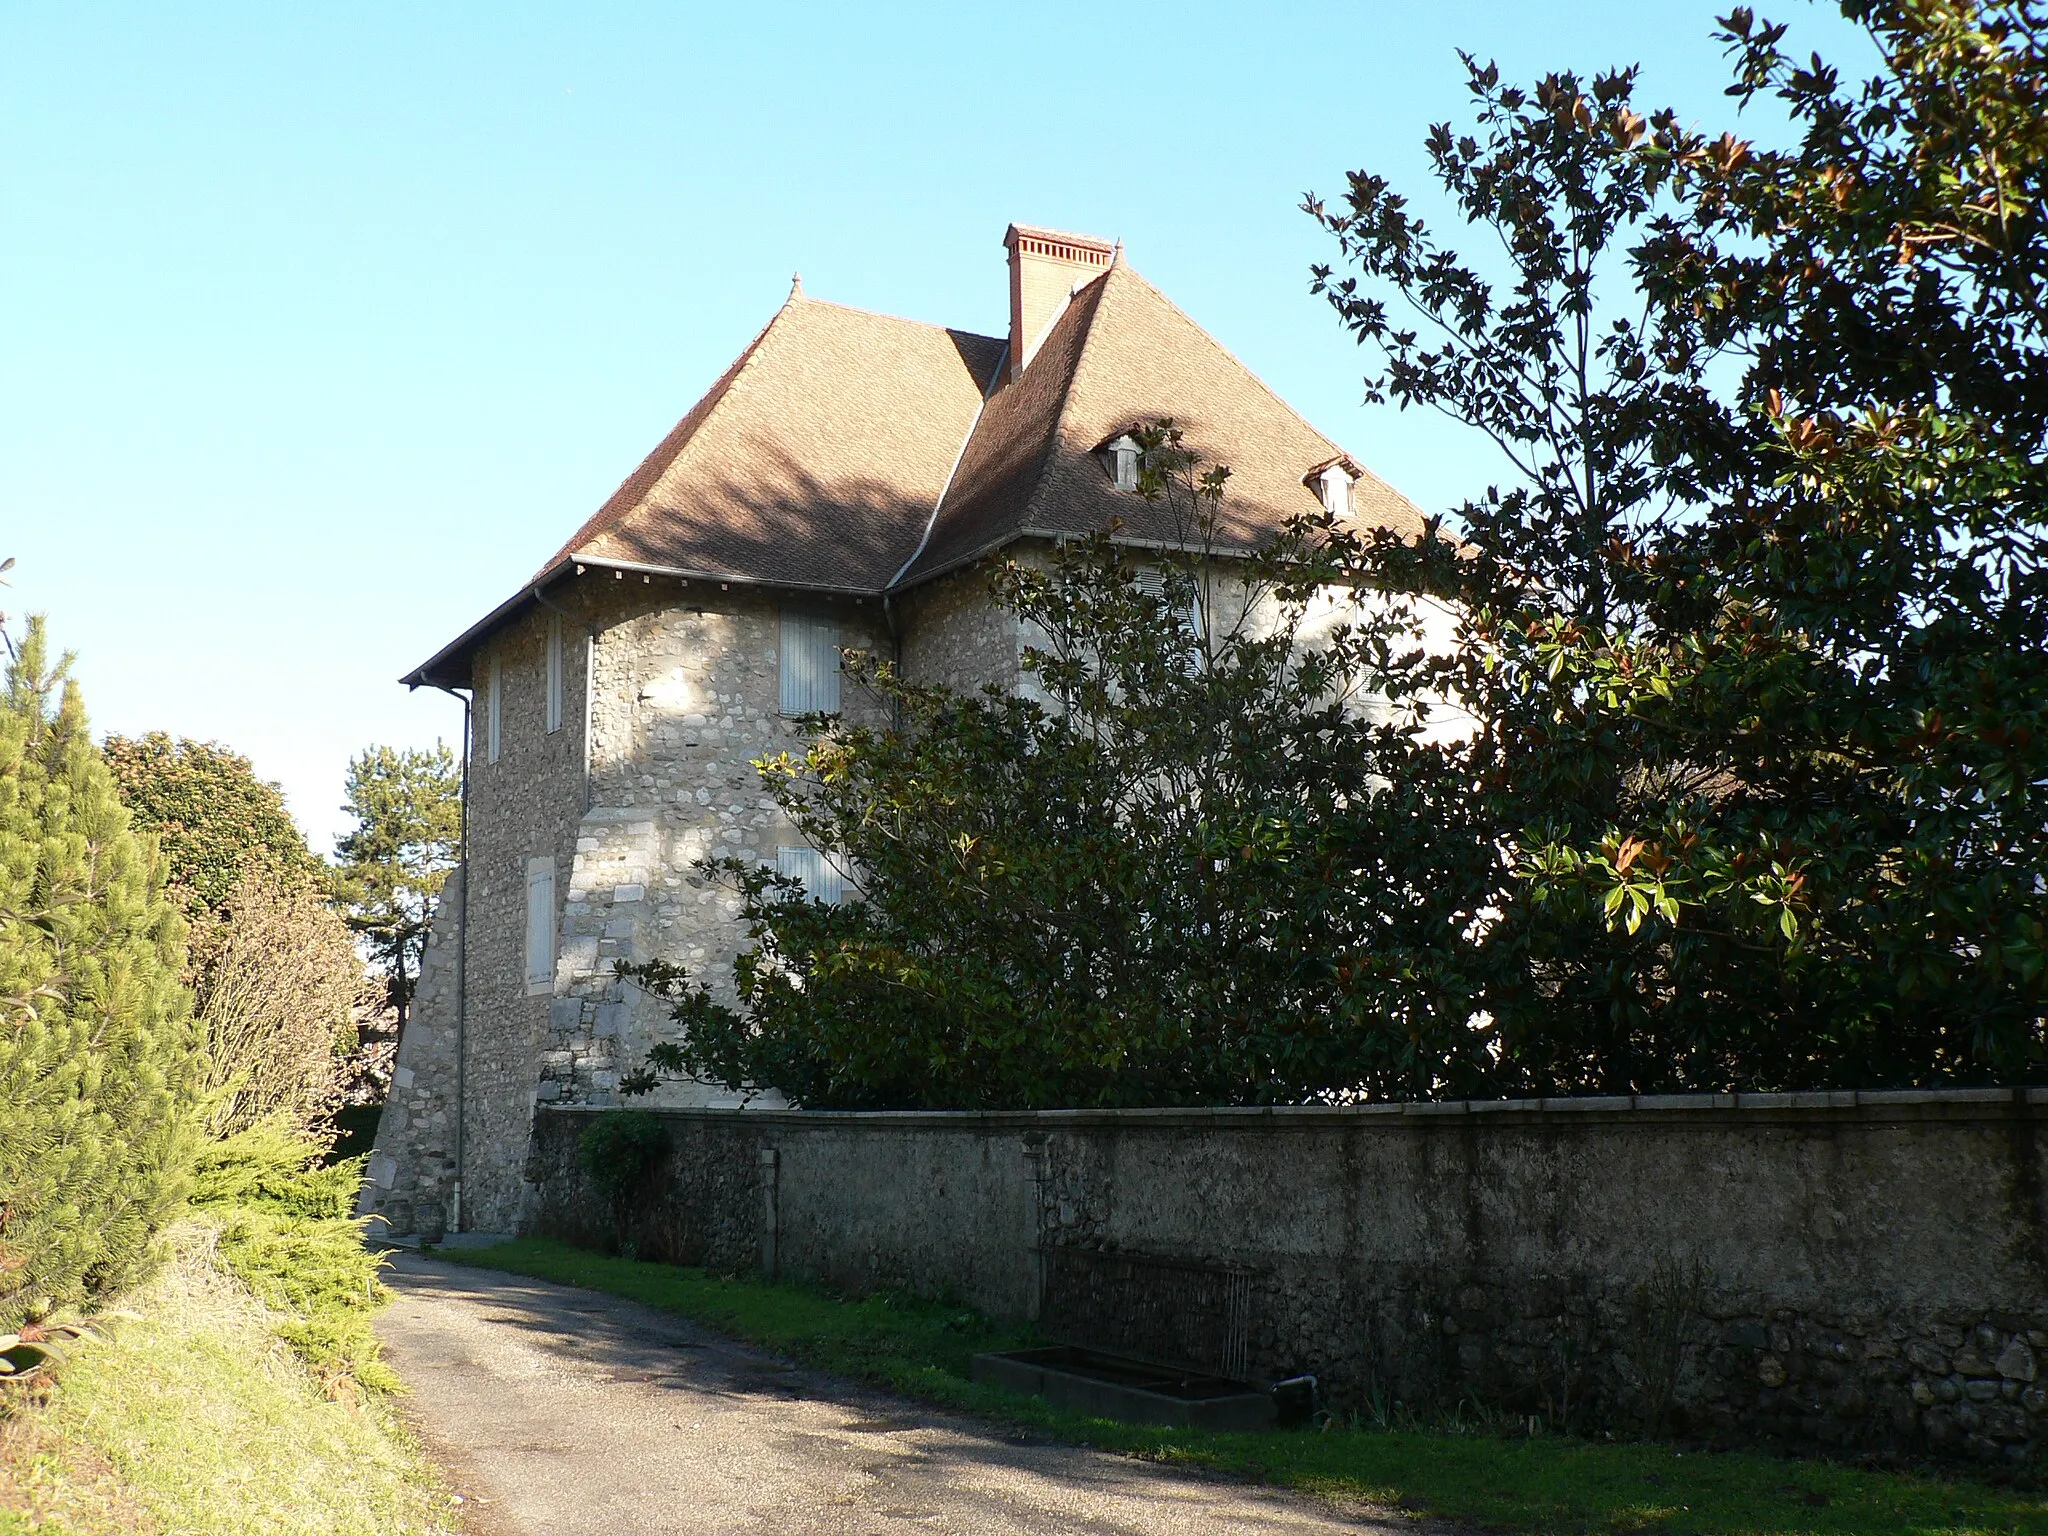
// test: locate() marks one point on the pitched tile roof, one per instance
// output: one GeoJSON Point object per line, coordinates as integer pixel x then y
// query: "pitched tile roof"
{"type": "Point", "coordinates": [1120, 357]}
{"type": "Point", "coordinates": [815, 460]}
{"type": "Point", "coordinates": [855, 452]}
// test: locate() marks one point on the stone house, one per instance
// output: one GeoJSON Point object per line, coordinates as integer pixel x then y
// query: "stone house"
{"type": "Point", "coordinates": [839, 486]}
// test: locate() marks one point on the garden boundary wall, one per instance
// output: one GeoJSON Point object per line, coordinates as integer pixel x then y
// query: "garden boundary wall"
{"type": "Point", "coordinates": [1863, 1272]}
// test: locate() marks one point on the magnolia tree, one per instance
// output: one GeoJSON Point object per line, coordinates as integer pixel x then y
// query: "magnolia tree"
{"type": "Point", "coordinates": [1762, 669]}
{"type": "Point", "coordinates": [1203, 855]}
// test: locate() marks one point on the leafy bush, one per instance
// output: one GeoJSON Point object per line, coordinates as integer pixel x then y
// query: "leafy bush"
{"type": "Point", "coordinates": [1757, 623]}
{"type": "Point", "coordinates": [287, 1230]}
{"type": "Point", "coordinates": [616, 1152]}
{"type": "Point", "coordinates": [618, 1148]}
{"type": "Point", "coordinates": [1205, 856]}
{"type": "Point", "coordinates": [278, 982]}
{"type": "Point", "coordinates": [97, 1048]}
{"type": "Point", "coordinates": [212, 817]}
{"type": "Point", "coordinates": [275, 974]}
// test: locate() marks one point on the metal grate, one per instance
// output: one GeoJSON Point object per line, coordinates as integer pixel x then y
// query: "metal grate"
{"type": "Point", "coordinates": [1166, 1312]}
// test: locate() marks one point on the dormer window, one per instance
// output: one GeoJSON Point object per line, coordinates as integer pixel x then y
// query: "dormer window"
{"type": "Point", "coordinates": [1120, 458]}
{"type": "Point", "coordinates": [1333, 484]}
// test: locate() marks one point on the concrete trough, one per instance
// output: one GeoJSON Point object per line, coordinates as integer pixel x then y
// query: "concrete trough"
{"type": "Point", "coordinates": [1111, 1387]}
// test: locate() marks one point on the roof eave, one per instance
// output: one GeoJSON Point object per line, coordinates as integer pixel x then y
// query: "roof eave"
{"type": "Point", "coordinates": [1057, 535]}
{"type": "Point", "coordinates": [424, 675]}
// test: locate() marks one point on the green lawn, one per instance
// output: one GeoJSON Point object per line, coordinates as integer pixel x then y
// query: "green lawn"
{"type": "Point", "coordinates": [1549, 1484]}
{"type": "Point", "coordinates": [191, 1416]}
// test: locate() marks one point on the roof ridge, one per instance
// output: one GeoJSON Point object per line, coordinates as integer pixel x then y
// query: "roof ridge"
{"type": "Point", "coordinates": [1249, 372]}
{"type": "Point", "coordinates": [1048, 452]}
{"type": "Point", "coordinates": [607, 516]}
{"type": "Point", "coordinates": [883, 314]}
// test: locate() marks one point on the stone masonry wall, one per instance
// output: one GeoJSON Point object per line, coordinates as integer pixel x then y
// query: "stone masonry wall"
{"type": "Point", "coordinates": [955, 635]}
{"type": "Point", "coordinates": [671, 690]}
{"type": "Point", "coordinates": [526, 805]}
{"type": "Point", "coordinates": [1867, 1273]}
{"type": "Point", "coordinates": [413, 1163]}
{"type": "Point", "coordinates": [686, 699]}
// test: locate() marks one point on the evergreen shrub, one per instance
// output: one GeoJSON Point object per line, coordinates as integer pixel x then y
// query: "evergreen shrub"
{"type": "Point", "coordinates": [618, 1148]}
{"type": "Point", "coordinates": [97, 1047]}
{"type": "Point", "coordinates": [288, 1231]}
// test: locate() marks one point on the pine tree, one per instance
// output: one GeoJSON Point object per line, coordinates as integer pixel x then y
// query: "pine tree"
{"type": "Point", "coordinates": [390, 868]}
{"type": "Point", "coordinates": [96, 1042]}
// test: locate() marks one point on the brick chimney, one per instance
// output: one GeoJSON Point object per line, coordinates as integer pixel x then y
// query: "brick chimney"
{"type": "Point", "coordinates": [1045, 267]}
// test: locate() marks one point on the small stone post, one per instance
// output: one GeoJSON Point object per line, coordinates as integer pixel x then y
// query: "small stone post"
{"type": "Point", "coordinates": [1034, 1174]}
{"type": "Point", "coordinates": [771, 1214]}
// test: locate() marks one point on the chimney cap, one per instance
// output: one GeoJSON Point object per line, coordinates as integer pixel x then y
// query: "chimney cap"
{"type": "Point", "coordinates": [1087, 250]}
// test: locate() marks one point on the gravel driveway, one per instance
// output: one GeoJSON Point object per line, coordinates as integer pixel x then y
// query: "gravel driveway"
{"type": "Point", "coordinates": [560, 1412]}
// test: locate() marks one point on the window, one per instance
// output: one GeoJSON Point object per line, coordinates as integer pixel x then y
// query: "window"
{"type": "Point", "coordinates": [823, 880]}
{"type": "Point", "coordinates": [1334, 486]}
{"type": "Point", "coordinates": [810, 663]}
{"type": "Point", "coordinates": [554, 704]}
{"type": "Point", "coordinates": [540, 925]}
{"type": "Point", "coordinates": [494, 712]}
{"type": "Point", "coordinates": [1121, 457]}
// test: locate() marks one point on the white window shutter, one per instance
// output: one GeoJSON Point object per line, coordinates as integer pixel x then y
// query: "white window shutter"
{"type": "Point", "coordinates": [554, 664]}
{"type": "Point", "coordinates": [1151, 580]}
{"type": "Point", "coordinates": [810, 663]}
{"type": "Point", "coordinates": [540, 924]}
{"type": "Point", "coordinates": [822, 879]}
{"type": "Point", "coordinates": [494, 712]}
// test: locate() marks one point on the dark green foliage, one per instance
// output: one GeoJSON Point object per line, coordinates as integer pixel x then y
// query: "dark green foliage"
{"type": "Point", "coordinates": [618, 1148]}
{"type": "Point", "coordinates": [96, 1040]}
{"type": "Point", "coordinates": [1753, 641]}
{"type": "Point", "coordinates": [1882, 672]}
{"type": "Point", "coordinates": [288, 1230]}
{"type": "Point", "coordinates": [355, 1131]}
{"type": "Point", "coordinates": [1199, 866]}
{"type": "Point", "coordinates": [408, 835]}
{"type": "Point", "coordinates": [1762, 670]}
{"type": "Point", "coordinates": [212, 817]}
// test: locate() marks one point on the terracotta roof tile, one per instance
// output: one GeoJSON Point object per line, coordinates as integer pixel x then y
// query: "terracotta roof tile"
{"type": "Point", "coordinates": [1122, 356]}
{"type": "Point", "coordinates": [815, 461]}
{"type": "Point", "coordinates": [1012, 449]}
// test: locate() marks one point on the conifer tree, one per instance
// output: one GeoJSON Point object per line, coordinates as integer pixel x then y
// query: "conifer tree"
{"type": "Point", "coordinates": [96, 1039]}
{"type": "Point", "coordinates": [391, 866]}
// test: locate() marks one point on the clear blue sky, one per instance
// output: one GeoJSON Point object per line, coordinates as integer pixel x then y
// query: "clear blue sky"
{"type": "Point", "coordinates": [324, 324]}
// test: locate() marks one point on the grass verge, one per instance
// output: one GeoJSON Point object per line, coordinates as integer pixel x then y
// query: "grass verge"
{"type": "Point", "coordinates": [1544, 1486]}
{"type": "Point", "coordinates": [194, 1416]}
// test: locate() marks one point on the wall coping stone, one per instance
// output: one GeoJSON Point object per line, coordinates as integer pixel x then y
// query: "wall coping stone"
{"type": "Point", "coordinates": [1872, 1105]}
